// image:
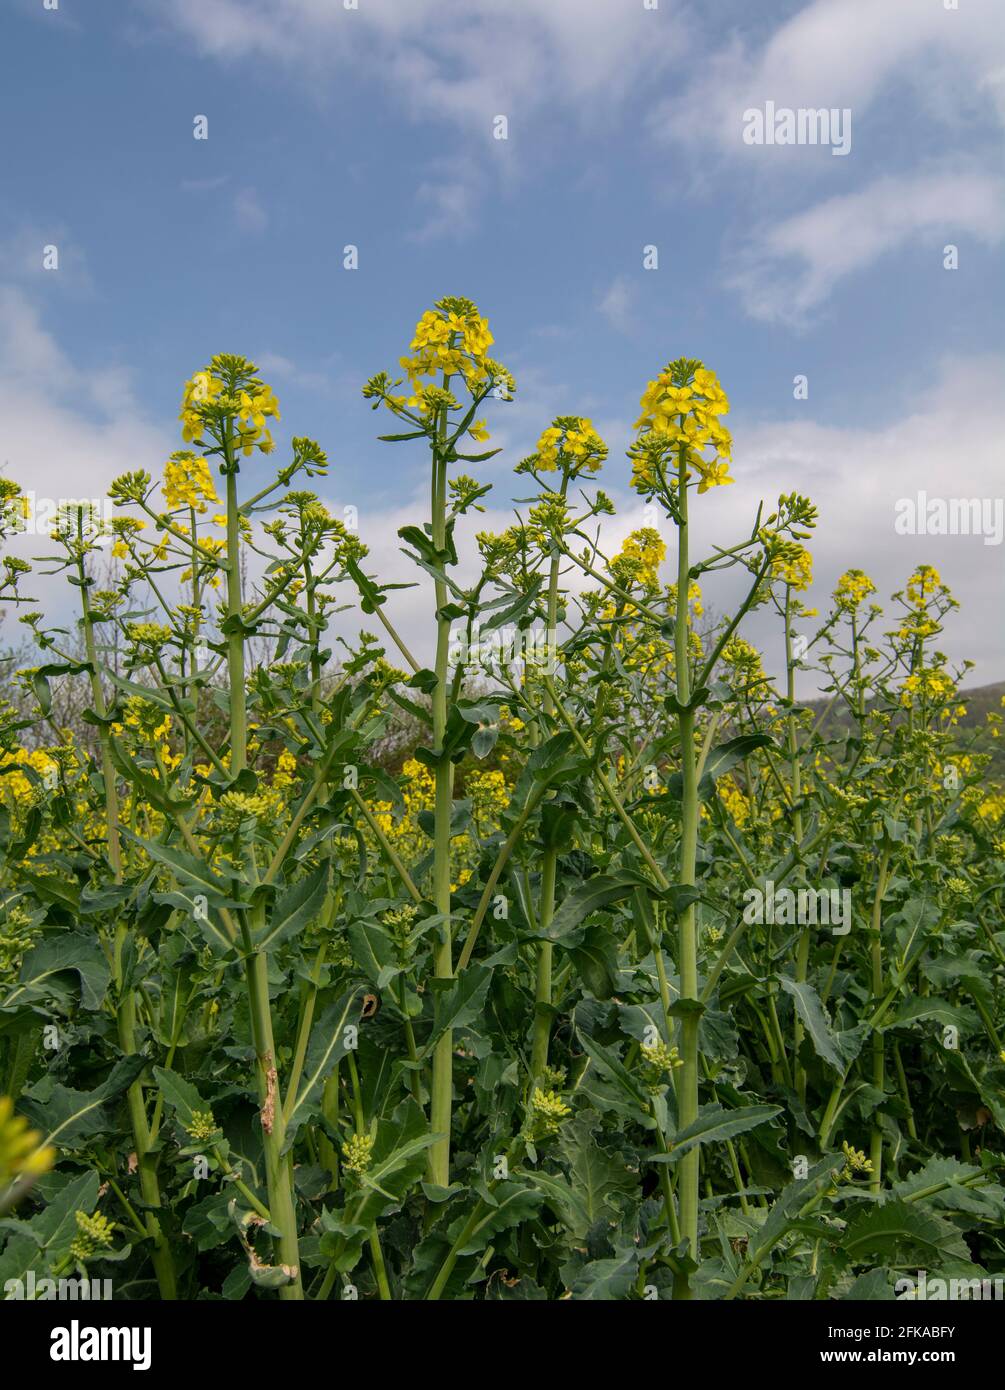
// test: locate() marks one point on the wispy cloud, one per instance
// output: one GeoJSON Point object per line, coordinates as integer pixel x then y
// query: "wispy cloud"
{"type": "Point", "coordinates": [786, 271]}
{"type": "Point", "coordinates": [466, 65]}
{"type": "Point", "coordinates": [617, 305]}
{"type": "Point", "coordinates": [251, 215]}
{"type": "Point", "coordinates": [840, 53]}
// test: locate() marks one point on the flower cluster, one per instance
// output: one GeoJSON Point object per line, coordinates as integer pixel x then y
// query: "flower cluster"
{"type": "Point", "coordinates": [94, 1233]}
{"type": "Point", "coordinates": [547, 1111]}
{"type": "Point", "coordinates": [570, 444]}
{"type": "Point", "coordinates": [227, 400]}
{"type": "Point", "coordinates": [21, 1151]}
{"type": "Point", "coordinates": [188, 482]}
{"type": "Point", "coordinates": [853, 588]}
{"type": "Point", "coordinates": [680, 421]}
{"type": "Point", "coordinates": [201, 1126]}
{"type": "Point", "coordinates": [795, 569]}
{"type": "Point", "coordinates": [357, 1153]}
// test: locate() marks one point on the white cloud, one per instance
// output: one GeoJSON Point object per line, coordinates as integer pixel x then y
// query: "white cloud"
{"type": "Point", "coordinates": [618, 305]}
{"type": "Point", "coordinates": [842, 53]}
{"type": "Point", "coordinates": [251, 216]}
{"type": "Point", "coordinates": [465, 62]}
{"type": "Point", "coordinates": [947, 444]}
{"type": "Point", "coordinates": [855, 477]}
{"type": "Point", "coordinates": [26, 258]}
{"type": "Point", "coordinates": [787, 270]}
{"type": "Point", "coordinates": [447, 199]}
{"type": "Point", "coordinates": [69, 429]}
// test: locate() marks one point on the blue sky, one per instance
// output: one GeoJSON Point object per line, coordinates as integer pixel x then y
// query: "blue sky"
{"type": "Point", "coordinates": [374, 126]}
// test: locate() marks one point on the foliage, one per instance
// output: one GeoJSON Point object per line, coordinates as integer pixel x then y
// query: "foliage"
{"type": "Point", "coordinates": [641, 978]}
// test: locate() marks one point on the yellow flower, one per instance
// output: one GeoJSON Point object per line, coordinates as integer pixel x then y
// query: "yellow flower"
{"type": "Point", "coordinates": [357, 1153]}
{"type": "Point", "coordinates": [94, 1234]}
{"type": "Point", "coordinates": [572, 443]}
{"type": "Point", "coordinates": [188, 482]}
{"type": "Point", "coordinates": [639, 558]}
{"type": "Point", "coordinates": [548, 1110]}
{"type": "Point", "coordinates": [20, 1153]}
{"type": "Point", "coordinates": [796, 570]}
{"type": "Point", "coordinates": [853, 588]}
{"type": "Point", "coordinates": [715, 474]}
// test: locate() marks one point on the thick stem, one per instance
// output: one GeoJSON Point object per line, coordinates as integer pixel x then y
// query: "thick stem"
{"type": "Point", "coordinates": [235, 639]}
{"type": "Point", "coordinates": [161, 1256]}
{"type": "Point", "coordinates": [878, 1046]}
{"type": "Point", "coordinates": [546, 909]}
{"type": "Point", "coordinates": [542, 996]}
{"type": "Point", "coordinates": [278, 1168]}
{"type": "Point", "coordinates": [795, 796]}
{"type": "Point", "coordinates": [687, 1089]}
{"type": "Point", "coordinates": [441, 1101]}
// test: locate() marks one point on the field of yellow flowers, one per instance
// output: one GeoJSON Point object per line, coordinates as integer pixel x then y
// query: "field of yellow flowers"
{"type": "Point", "coordinates": [632, 978]}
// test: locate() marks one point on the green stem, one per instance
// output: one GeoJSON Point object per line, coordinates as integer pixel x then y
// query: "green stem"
{"type": "Point", "coordinates": [278, 1170]}
{"type": "Point", "coordinates": [687, 1088]}
{"type": "Point", "coordinates": [441, 1101]}
{"type": "Point", "coordinates": [146, 1162]}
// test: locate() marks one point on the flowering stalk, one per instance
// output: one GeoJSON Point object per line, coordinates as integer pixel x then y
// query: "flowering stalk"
{"type": "Point", "coordinates": [441, 1099]}
{"type": "Point", "coordinates": [687, 935]}
{"type": "Point", "coordinates": [549, 863]}
{"type": "Point", "coordinates": [161, 1256]}
{"type": "Point", "coordinates": [278, 1168]}
{"type": "Point", "coordinates": [795, 796]}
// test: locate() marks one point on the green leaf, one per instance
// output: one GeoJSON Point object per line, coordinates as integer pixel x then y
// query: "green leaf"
{"type": "Point", "coordinates": [179, 1095]}
{"type": "Point", "coordinates": [52, 1230]}
{"type": "Point", "coordinates": [460, 1004]}
{"type": "Point", "coordinates": [333, 1035]}
{"type": "Point", "coordinates": [606, 1280]}
{"type": "Point", "coordinates": [595, 960]}
{"type": "Point", "coordinates": [297, 907]}
{"type": "Point", "coordinates": [593, 896]}
{"type": "Point", "coordinates": [63, 892]}
{"type": "Point", "coordinates": [837, 1050]}
{"type": "Point", "coordinates": [70, 951]}
{"type": "Point", "coordinates": [374, 950]}
{"type": "Point", "coordinates": [713, 1125]}
{"type": "Point", "coordinates": [189, 871]}
{"type": "Point", "coordinates": [150, 787]}
{"type": "Point", "coordinates": [721, 760]}
{"type": "Point", "coordinates": [898, 1230]}
{"type": "Point", "coordinates": [597, 1186]}
{"type": "Point", "coordinates": [70, 1118]}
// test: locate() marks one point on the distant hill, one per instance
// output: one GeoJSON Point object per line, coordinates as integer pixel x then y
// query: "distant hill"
{"type": "Point", "coordinates": [980, 701]}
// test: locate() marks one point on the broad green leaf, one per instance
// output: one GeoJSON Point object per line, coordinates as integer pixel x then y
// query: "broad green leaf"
{"type": "Point", "coordinates": [69, 1118]}
{"type": "Point", "coordinates": [179, 1095]}
{"type": "Point", "coordinates": [714, 1124]}
{"type": "Point", "coordinates": [190, 872]}
{"type": "Point", "coordinates": [334, 1034]}
{"type": "Point", "coordinates": [899, 1230]}
{"type": "Point", "coordinates": [837, 1050]}
{"type": "Point", "coordinates": [297, 907]}
{"type": "Point", "coordinates": [592, 896]}
{"type": "Point", "coordinates": [460, 1004]}
{"type": "Point", "coordinates": [51, 1231]}
{"type": "Point", "coordinates": [68, 952]}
